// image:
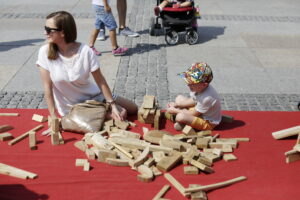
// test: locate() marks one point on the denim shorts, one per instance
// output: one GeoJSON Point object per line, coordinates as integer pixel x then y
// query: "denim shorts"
{"type": "Point", "coordinates": [103, 17]}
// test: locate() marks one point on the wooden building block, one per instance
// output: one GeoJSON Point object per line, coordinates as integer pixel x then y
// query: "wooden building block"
{"type": "Point", "coordinates": [148, 101]}
{"type": "Point", "coordinates": [6, 136]}
{"type": "Point", "coordinates": [4, 128]}
{"type": "Point", "coordinates": [142, 157]}
{"type": "Point", "coordinates": [80, 162]}
{"type": "Point", "coordinates": [201, 195]}
{"type": "Point", "coordinates": [121, 124]}
{"type": "Point", "coordinates": [149, 162]}
{"type": "Point", "coordinates": [154, 136]}
{"type": "Point", "coordinates": [16, 172]}
{"type": "Point", "coordinates": [32, 140]}
{"type": "Point", "coordinates": [229, 157]}
{"type": "Point", "coordinates": [202, 142]}
{"type": "Point", "coordinates": [90, 154]}
{"type": "Point", "coordinates": [168, 162]}
{"type": "Point", "coordinates": [80, 145]}
{"type": "Point", "coordinates": [190, 170]}
{"type": "Point", "coordinates": [226, 148]}
{"type": "Point", "coordinates": [86, 167]}
{"type": "Point", "coordinates": [54, 125]}
{"type": "Point", "coordinates": [162, 192]}
{"type": "Point", "coordinates": [204, 133]}
{"type": "Point", "coordinates": [201, 166]}
{"type": "Point", "coordinates": [146, 174]}
{"type": "Point", "coordinates": [175, 183]}
{"type": "Point", "coordinates": [292, 156]}
{"type": "Point", "coordinates": [117, 162]}
{"type": "Point", "coordinates": [286, 132]}
{"type": "Point", "coordinates": [156, 171]}
{"type": "Point", "coordinates": [9, 114]}
{"type": "Point", "coordinates": [157, 120]}
{"type": "Point", "coordinates": [188, 130]}
{"type": "Point", "coordinates": [24, 135]}
{"type": "Point", "coordinates": [215, 186]}
{"type": "Point", "coordinates": [126, 153]}
{"type": "Point", "coordinates": [205, 161]}
{"type": "Point", "coordinates": [217, 151]}
{"type": "Point", "coordinates": [55, 138]}
{"type": "Point", "coordinates": [103, 154]}
{"type": "Point", "coordinates": [39, 118]}
{"type": "Point", "coordinates": [227, 119]}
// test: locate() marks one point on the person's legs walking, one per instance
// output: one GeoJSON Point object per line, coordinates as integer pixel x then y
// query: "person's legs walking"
{"type": "Point", "coordinates": [122, 11]}
{"type": "Point", "coordinates": [101, 35]}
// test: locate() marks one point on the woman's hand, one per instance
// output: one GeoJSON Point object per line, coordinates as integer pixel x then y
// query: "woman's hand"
{"type": "Point", "coordinates": [115, 113]}
{"type": "Point", "coordinates": [107, 9]}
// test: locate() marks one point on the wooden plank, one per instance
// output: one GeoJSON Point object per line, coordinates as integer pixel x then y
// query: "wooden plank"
{"type": "Point", "coordinates": [175, 183]}
{"type": "Point", "coordinates": [122, 150]}
{"type": "Point", "coordinates": [9, 114]}
{"type": "Point", "coordinates": [16, 172]}
{"type": "Point", "coordinates": [39, 118]}
{"type": "Point", "coordinates": [4, 128]}
{"type": "Point", "coordinates": [169, 162]}
{"type": "Point", "coordinates": [162, 192]}
{"type": "Point", "coordinates": [6, 136]}
{"type": "Point", "coordinates": [32, 140]}
{"type": "Point", "coordinates": [216, 185]}
{"type": "Point", "coordinates": [148, 101]}
{"type": "Point", "coordinates": [286, 132]}
{"type": "Point", "coordinates": [24, 135]}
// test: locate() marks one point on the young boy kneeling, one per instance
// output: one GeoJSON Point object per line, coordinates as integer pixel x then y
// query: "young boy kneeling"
{"type": "Point", "coordinates": [202, 110]}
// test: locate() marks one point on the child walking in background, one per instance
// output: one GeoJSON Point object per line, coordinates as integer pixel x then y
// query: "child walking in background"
{"type": "Point", "coordinates": [105, 16]}
{"type": "Point", "coordinates": [202, 110]}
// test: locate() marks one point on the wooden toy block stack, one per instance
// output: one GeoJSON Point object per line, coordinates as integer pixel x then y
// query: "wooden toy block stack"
{"type": "Point", "coordinates": [294, 154]}
{"type": "Point", "coordinates": [149, 112]}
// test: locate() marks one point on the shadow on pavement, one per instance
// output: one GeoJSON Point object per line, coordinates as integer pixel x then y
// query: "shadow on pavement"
{"type": "Point", "coordinates": [207, 33]}
{"type": "Point", "coordinates": [6, 46]}
{"type": "Point", "coordinates": [19, 191]}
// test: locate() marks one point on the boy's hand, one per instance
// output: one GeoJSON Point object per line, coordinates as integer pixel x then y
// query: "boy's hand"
{"type": "Point", "coordinates": [171, 104]}
{"type": "Point", "coordinates": [172, 110]}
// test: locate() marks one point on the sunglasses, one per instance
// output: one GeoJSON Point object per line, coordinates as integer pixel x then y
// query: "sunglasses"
{"type": "Point", "coordinates": [51, 30]}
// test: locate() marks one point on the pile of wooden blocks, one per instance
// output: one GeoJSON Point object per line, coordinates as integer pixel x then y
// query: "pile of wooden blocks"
{"type": "Point", "coordinates": [158, 151]}
{"type": "Point", "coordinates": [294, 154]}
{"type": "Point", "coordinates": [149, 112]}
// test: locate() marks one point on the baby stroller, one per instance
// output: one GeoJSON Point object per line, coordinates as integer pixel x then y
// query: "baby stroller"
{"type": "Point", "coordinates": [174, 21]}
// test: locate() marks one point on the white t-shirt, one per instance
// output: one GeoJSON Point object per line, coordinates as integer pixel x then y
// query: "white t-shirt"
{"type": "Point", "coordinates": [70, 77]}
{"type": "Point", "coordinates": [209, 104]}
{"type": "Point", "coordinates": [99, 2]}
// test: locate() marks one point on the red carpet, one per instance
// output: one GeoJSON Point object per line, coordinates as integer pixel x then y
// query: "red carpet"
{"type": "Point", "coordinates": [261, 160]}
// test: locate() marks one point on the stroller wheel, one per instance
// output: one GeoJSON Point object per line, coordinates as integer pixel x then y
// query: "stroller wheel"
{"type": "Point", "coordinates": [152, 26]}
{"type": "Point", "coordinates": [299, 105]}
{"type": "Point", "coordinates": [191, 37]}
{"type": "Point", "coordinates": [172, 37]}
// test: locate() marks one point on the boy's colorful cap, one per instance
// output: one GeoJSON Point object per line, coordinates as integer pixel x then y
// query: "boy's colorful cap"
{"type": "Point", "coordinates": [197, 73]}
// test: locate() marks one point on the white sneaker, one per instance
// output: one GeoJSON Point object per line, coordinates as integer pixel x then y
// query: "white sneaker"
{"type": "Point", "coordinates": [178, 126]}
{"type": "Point", "coordinates": [101, 35]}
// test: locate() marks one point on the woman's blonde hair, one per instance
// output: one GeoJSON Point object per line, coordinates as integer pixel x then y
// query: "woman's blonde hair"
{"type": "Point", "coordinates": [63, 21]}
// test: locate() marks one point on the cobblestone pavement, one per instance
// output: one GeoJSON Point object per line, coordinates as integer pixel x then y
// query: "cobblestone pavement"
{"type": "Point", "coordinates": [144, 70]}
{"type": "Point", "coordinates": [239, 102]}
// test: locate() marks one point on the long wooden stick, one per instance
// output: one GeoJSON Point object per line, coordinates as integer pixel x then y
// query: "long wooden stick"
{"type": "Point", "coordinates": [175, 183]}
{"type": "Point", "coordinates": [162, 192]}
{"type": "Point", "coordinates": [24, 135]}
{"type": "Point", "coordinates": [216, 185]}
{"type": "Point", "coordinates": [16, 172]}
{"type": "Point", "coordinates": [9, 114]}
{"type": "Point", "coordinates": [286, 132]}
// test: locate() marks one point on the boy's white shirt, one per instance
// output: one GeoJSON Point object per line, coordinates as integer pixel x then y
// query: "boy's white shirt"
{"type": "Point", "coordinates": [209, 104]}
{"type": "Point", "coordinates": [99, 2]}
